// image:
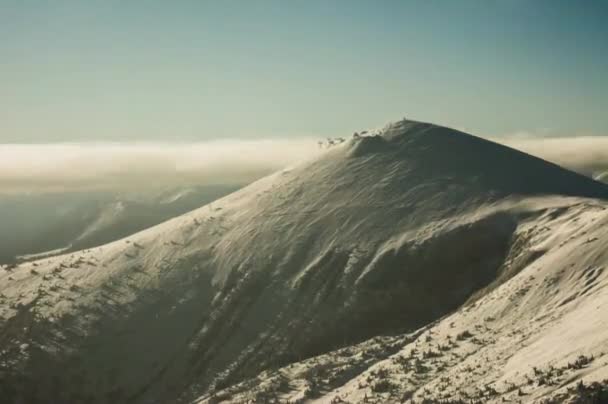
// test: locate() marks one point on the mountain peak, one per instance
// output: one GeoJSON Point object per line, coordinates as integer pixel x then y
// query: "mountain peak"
{"type": "Point", "coordinates": [437, 151]}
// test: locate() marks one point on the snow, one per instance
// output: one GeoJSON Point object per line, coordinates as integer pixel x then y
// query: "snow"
{"type": "Point", "coordinates": [544, 318]}
{"type": "Point", "coordinates": [348, 276]}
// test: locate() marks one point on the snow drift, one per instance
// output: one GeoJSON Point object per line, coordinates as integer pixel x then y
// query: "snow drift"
{"type": "Point", "coordinates": [379, 236]}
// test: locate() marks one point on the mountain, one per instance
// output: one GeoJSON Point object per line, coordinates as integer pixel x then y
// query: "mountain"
{"type": "Point", "coordinates": [405, 236]}
{"type": "Point", "coordinates": [36, 225]}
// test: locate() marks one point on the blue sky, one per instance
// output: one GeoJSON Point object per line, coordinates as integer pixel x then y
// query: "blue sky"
{"type": "Point", "coordinates": [200, 70]}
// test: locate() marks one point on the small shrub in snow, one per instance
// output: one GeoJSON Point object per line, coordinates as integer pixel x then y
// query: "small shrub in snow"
{"type": "Point", "coordinates": [466, 334]}
{"type": "Point", "coordinates": [382, 386]}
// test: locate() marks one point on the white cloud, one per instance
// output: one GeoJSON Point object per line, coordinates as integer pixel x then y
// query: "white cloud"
{"type": "Point", "coordinates": [116, 166]}
{"type": "Point", "coordinates": [45, 167]}
{"type": "Point", "coordinates": [585, 154]}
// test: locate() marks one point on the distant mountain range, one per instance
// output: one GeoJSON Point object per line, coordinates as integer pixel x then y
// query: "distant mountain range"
{"type": "Point", "coordinates": [34, 224]}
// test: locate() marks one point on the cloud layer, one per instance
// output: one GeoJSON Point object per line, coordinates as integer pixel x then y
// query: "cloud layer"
{"type": "Point", "coordinates": [88, 166]}
{"type": "Point", "coordinates": [135, 166]}
{"type": "Point", "coordinates": [587, 155]}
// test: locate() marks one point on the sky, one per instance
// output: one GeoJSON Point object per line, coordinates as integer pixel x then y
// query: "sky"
{"type": "Point", "coordinates": [160, 71]}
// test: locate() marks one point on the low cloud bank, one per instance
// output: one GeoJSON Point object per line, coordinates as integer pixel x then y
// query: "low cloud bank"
{"type": "Point", "coordinates": [587, 155]}
{"type": "Point", "coordinates": [143, 166]}
{"type": "Point", "coordinates": [103, 166]}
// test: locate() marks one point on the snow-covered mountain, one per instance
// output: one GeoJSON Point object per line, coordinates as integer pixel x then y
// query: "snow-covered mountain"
{"type": "Point", "coordinates": [416, 261]}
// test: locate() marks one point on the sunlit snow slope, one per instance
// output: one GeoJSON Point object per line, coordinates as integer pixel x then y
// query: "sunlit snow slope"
{"type": "Point", "coordinates": [379, 236]}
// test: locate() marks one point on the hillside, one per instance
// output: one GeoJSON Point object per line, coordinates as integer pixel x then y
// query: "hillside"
{"type": "Point", "coordinates": [541, 336]}
{"type": "Point", "coordinates": [380, 236]}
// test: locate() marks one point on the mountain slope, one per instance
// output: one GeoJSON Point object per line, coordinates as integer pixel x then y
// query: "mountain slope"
{"type": "Point", "coordinates": [382, 235]}
{"type": "Point", "coordinates": [541, 336]}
